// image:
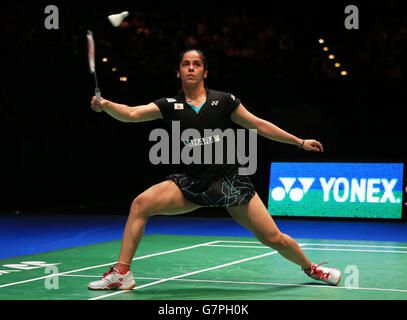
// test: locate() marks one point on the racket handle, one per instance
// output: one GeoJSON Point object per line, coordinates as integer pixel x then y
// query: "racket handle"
{"type": "Point", "coordinates": [97, 94]}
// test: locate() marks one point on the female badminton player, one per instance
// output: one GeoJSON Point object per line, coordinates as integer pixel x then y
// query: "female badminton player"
{"type": "Point", "coordinates": [201, 185]}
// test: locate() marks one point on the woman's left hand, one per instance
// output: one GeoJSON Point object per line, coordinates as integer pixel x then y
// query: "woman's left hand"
{"type": "Point", "coordinates": [312, 145]}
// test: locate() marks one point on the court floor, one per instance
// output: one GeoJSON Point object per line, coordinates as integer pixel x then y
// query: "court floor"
{"type": "Point", "coordinates": [189, 267]}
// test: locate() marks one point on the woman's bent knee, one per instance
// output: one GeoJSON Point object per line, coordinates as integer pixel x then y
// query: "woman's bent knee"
{"type": "Point", "coordinates": [139, 207]}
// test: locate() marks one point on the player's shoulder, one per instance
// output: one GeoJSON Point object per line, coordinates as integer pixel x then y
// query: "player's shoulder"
{"type": "Point", "coordinates": [167, 100]}
{"type": "Point", "coordinates": [221, 95]}
{"type": "Point", "coordinates": [171, 99]}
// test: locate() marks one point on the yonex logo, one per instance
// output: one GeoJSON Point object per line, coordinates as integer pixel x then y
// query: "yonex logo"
{"type": "Point", "coordinates": [295, 194]}
{"type": "Point", "coordinates": [214, 103]}
{"type": "Point", "coordinates": [341, 189]}
{"type": "Point", "coordinates": [362, 190]}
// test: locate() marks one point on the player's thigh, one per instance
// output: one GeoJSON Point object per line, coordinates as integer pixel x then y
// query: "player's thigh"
{"type": "Point", "coordinates": [255, 217]}
{"type": "Point", "coordinates": [162, 198]}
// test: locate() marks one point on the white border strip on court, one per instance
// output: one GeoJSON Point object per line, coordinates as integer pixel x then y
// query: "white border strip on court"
{"type": "Point", "coordinates": [107, 264]}
{"type": "Point", "coordinates": [237, 241]}
{"type": "Point", "coordinates": [352, 245]}
{"type": "Point", "coordinates": [310, 244]}
{"type": "Point", "coordinates": [232, 246]}
{"type": "Point", "coordinates": [323, 244]}
{"type": "Point", "coordinates": [355, 250]}
{"type": "Point", "coordinates": [318, 249]}
{"type": "Point", "coordinates": [293, 285]}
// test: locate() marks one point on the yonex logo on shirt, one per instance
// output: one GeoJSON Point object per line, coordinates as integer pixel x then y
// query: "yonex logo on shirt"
{"type": "Point", "coordinates": [214, 103]}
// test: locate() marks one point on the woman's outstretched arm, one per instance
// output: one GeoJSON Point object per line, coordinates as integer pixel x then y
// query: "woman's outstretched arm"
{"type": "Point", "coordinates": [266, 129]}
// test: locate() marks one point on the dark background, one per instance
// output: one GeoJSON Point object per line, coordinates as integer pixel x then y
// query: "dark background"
{"type": "Point", "coordinates": [57, 155]}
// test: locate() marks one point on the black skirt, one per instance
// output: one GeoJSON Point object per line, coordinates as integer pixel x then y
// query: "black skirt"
{"type": "Point", "coordinates": [228, 191]}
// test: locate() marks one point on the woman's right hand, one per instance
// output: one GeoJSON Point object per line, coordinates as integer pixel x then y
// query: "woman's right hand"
{"type": "Point", "coordinates": [98, 106]}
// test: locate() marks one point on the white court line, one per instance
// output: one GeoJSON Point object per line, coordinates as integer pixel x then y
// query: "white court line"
{"type": "Point", "coordinates": [105, 264]}
{"type": "Point", "coordinates": [293, 285]}
{"type": "Point", "coordinates": [352, 245]}
{"type": "Point", "coordinates": [237, 241]}
{"type": "Point", "coordinates": [231, 246]}
{"type": "Point", "coordinates": [91, 276]}
{"type": "Point", "coordinates": [323, 244]}
{"type": "Point", "coordinates": [256, 283]}
{"type": "Point", "coordinates": [186, 275]}
{"type": "Point", "coordinates": [320, 249]}
{"type": "Point", "coordinates": [355, 250]}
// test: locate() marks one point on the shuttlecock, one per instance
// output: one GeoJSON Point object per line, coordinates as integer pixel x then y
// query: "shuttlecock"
{"type": "Point", "coordinates": [116, 19]}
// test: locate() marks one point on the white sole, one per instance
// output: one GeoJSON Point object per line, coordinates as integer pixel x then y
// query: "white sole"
{"type": "Point", "coordinates": [107, 288]}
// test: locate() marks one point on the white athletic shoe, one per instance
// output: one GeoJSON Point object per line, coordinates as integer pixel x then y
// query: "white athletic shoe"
{"type": "Point", "coordinates": [114, 280]}
{"type": "Point", "coordinates": [330, 276]}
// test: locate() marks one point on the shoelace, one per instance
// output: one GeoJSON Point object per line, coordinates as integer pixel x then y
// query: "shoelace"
{"type": "Point", "coordinates": [319, 273]}
{"type": "Point", "coordinates": [109, 272]}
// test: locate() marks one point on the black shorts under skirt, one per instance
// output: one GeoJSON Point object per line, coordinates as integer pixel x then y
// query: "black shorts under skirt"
{"type": "Point", "coordinates": [229, 191]}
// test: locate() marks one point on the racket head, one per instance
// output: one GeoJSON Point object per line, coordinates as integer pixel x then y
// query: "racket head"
{"type": "Point", "coordinates": [91, 59]}
{"type": "Point", "coordinates": [91, 51]}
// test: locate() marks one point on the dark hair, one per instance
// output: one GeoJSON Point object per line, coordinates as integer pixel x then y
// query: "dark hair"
{"type": "Point", "coordinates": [201, 53]}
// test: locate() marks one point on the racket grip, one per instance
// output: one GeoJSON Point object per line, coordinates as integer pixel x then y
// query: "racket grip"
{"type": "Point", "coordinates": [97, 94]}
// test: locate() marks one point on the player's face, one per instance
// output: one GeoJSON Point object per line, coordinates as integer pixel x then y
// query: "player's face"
{"type": "Point", "coordinates": [191, 68]}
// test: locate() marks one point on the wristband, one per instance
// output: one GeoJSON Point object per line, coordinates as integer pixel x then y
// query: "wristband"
{"type": "Point", "coordinates": [300, 147]}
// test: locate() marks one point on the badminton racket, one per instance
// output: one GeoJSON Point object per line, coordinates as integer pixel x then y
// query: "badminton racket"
{"type": "Point", "coordinates": [92, 65]}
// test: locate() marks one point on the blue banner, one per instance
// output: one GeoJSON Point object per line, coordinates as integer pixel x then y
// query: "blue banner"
{"type": "Point", "coordinates": [364, 190]}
